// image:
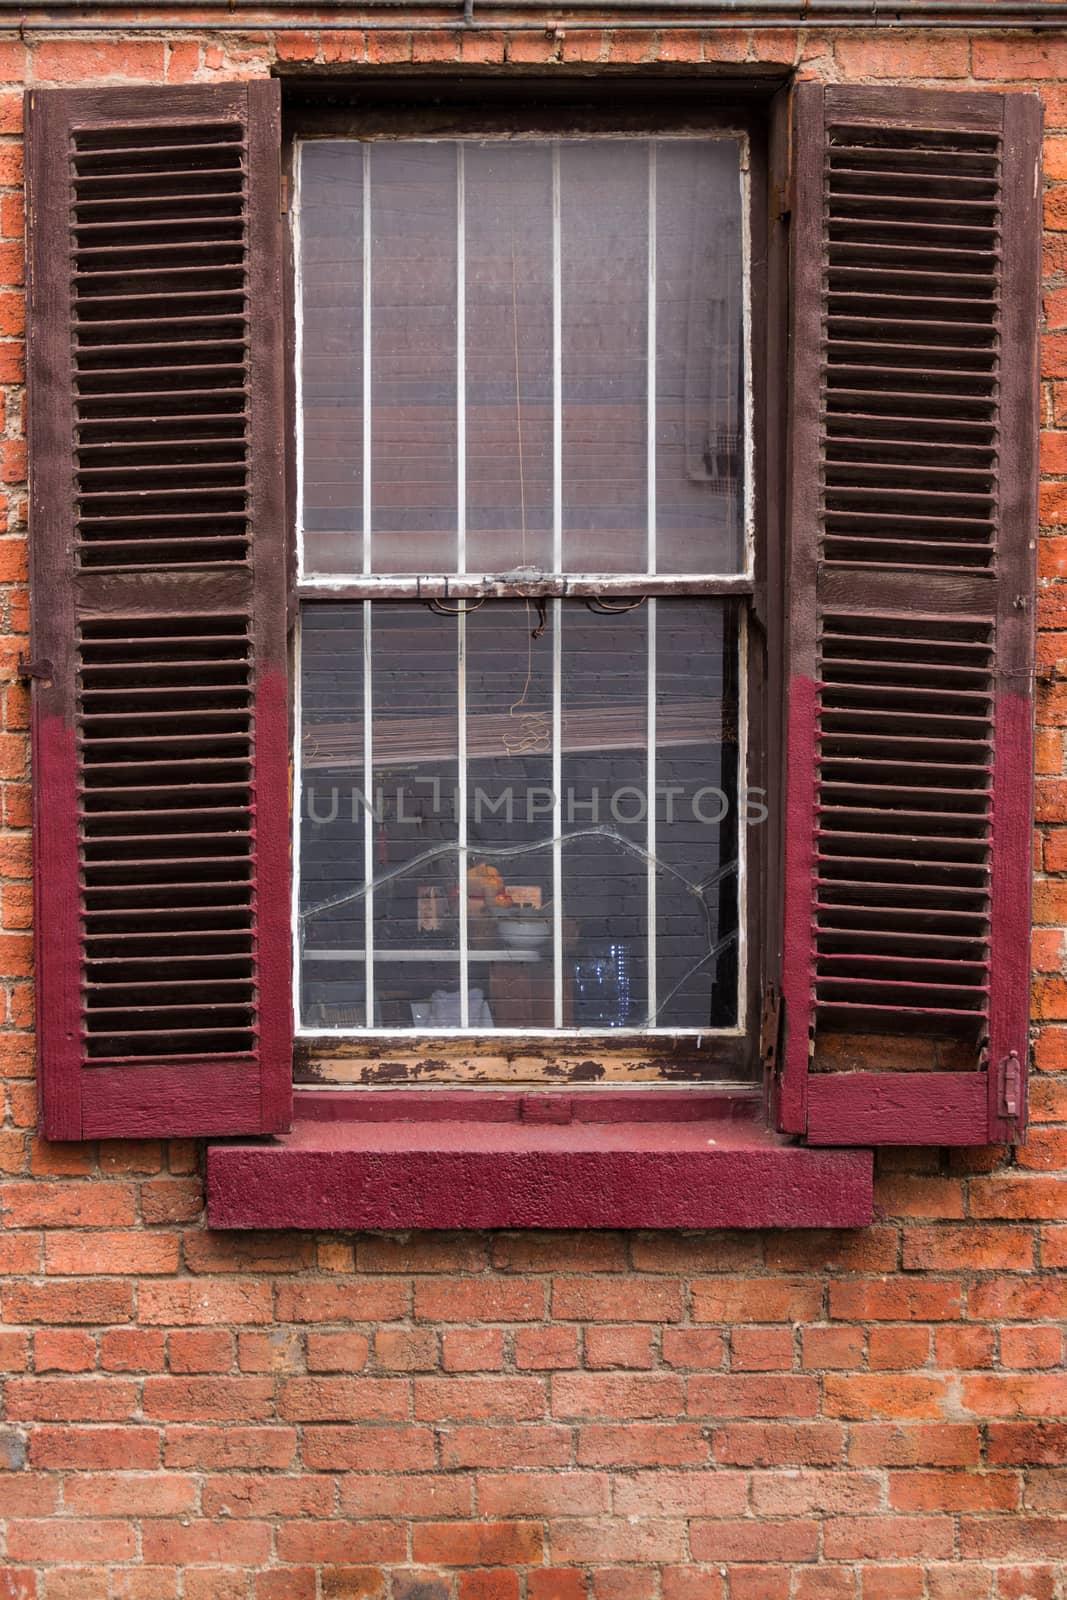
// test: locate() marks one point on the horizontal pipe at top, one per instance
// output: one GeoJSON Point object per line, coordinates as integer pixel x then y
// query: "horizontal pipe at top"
{"type": "Point", "coordinates": [946, 15]}
{"type": "Point", "coordinates": [1004, 12]}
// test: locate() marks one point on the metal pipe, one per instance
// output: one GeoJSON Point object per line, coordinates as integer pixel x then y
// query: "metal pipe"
{"type": "Point", "coordinates": [1012, 12]}
{"type": "Point", "coordinates": [551, 23]}
{"type": "Point", "coordinates": [939, 14]}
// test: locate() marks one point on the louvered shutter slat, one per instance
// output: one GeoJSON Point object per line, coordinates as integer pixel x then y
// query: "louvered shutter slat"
{"type": "Point", "coordinates": [911, 522]}
{"type": "Point", "coordinates": [158, 592]}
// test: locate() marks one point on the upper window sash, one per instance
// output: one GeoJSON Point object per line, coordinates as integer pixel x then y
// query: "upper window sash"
{"type": "Point", "coordinates": [536, 380]}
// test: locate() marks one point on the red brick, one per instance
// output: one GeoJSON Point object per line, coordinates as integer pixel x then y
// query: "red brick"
{"type": "Point", "coordinates": [260, 1494]}
{"type": "Point", "coordinates": [793, 1539]}
{"type": "Point", "coordinates": [182, 1399]}
{"type": "Point", "coordinates": [553, 1494]}
{"type": "Point", "coordinates": [489, 1583]}
{"type": "Point", "coordinates": [129, 1494]}
{"type": "Point", "coordinates": [342, 1399]}
{"type": "Point", "coordinates": [190, 1303]}
{"type": "Point", "coordinates": [898, 1348]}
{"type": "Point", "coordinates": [367, 1300]}
{"type": "Point", "coordinates": [95, 1399]}
{"type": "Point", "coordinates": [544, 1349]}
{"type": "Point", "coordinates": [601, 1539]}
{"type": "Point", "coordinates": [132, 1350]}
{"type": "Point", "coordinates": [475, 1300]}
{"type": "Point", "coordinates": [642, 1444]}
{"type": "Point", "coordinates": [130, 1448]}
{"type": "Point", "coordinates": [556, 1583]}
{"type": "Point", "coordinates": [795, 1494]}
{"type": "Point", "coordinates": [337, 1352]}
{"type": "Point", "coordinates": [64, 1540]}
{"type": "Point", "coordinates": [63, 1350]}
{"type": "Point", "coordinates": [779, 1444]}
{"type": "Point", "coordinates": [926, 55]}
{"type": "Point", "coordinates": [617, 1300]}
{"type": "Point", "coordinates": [200, 1350]}
{"type": "Point", "coordinates": [1019, 57]}
{"type": "Point", "coordinates": [896, 1396]}
{"type": "Point", "coordinates": [391, 1448]}
{"type": "Point", "coordinates": [83, 61]}
{"type": "Point", "coordinates": [698, 1348]}
{"type": "Point", "coordinates": [753, 1397]}
{"type": "Point", "coordinates": [830, 1347]}
{"type": "Point", "coordinates": [116, 1253]}
{"type": "Point", "coordinates": [227, 1542]}
{"type": "Point", "coordinates": [761, 1350]}
{"type": "Point", "coordinates": [616, 1395]}
{"type": "Point", "coordinates": [664, 1493]}
{"type": "Point", "coordinates": [477, 1544]}
{"type": "Point", "coordinates": [407, 1349]}
{"type": "Point", "coordinates": [405, 1495]}
{"type": "Point", "coordinates": [1024, 1347]}
{"type": "Point", "coordinates": [895, 1300]}
{"type": "Point", "coordinates": [756, 1299]}
{"type": "Point", "coordinates": [479, 1399]}
{"type": "Point", "coordinates": [472, 1349]}
{"type": "Point", "coordinates": [221, 1449]}
{"type": "Point", "coordinates": [607, 1347]}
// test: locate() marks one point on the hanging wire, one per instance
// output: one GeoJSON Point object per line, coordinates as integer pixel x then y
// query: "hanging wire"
{"type": "Point", "coordinates": [462, 610]}
{"type": "Point", "coordinates": [613, 608]}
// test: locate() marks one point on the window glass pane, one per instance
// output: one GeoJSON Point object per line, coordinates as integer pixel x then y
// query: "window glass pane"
{"type": "Point", "coordinates": [416, 832]}
{"type": "Point", "coordinates": [510, 811]}
{"type": "Point", "coordinates": [333, 818]}
{"type": "Point", "coordinates": [331, 354]}
{"type": "Point", "coordinates": [609, 268]}
{"type": "Point", "coordinates": [696, 832]}
{"type": "Point", "coordinates": [647, 907]}
{"type": "Point", "coordinates": [699, 373]}
{"type": "Point", "coordinates": [604, 188]}
{"type": "Point", "coordinates": [413, 356]}
{"type": "Point", "coordinates": [508, 227]}
{"type": "Point", "coordinates": [605, 818]}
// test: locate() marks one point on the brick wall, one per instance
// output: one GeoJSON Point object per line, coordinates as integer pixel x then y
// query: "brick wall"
{"type": "Point", "coordinates": [790, 1416]}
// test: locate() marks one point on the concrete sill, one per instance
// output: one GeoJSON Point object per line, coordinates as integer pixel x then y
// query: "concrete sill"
{"type": "Point", "coordinates": [389, 1162]}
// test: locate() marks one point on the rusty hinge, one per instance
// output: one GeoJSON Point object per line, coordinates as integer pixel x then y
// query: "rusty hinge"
{"type": "Point", "coordinates": [1010, 1087]}
{"type": "Point", "coordinates": [770, 1028]}
{"type": "Point", "coordinates": [42, 670]}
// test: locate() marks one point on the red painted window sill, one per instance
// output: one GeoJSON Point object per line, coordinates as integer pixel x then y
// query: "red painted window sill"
{"type": "Point", "coordinates": [413, 1159]}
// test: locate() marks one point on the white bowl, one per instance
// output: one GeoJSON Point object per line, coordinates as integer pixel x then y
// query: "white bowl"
{"type": "Point", "coordinates": [524, 934]}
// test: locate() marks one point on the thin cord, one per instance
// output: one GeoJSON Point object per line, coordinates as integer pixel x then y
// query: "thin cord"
{"type": "Point", "coordinates": [534, 736]}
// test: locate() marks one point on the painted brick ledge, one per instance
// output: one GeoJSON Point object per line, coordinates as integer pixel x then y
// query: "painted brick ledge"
{"type": "Point", "coordinates": [675, 1171]}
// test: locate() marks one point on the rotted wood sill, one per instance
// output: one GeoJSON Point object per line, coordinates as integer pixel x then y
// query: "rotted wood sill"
{"type": "Point", "coordinates": [390, 1161]}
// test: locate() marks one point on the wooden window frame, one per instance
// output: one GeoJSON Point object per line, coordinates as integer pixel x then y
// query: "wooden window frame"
{"type": "Point", "coordinates": [412, 105]}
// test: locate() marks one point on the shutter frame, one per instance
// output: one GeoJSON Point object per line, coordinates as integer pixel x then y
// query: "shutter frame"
{"type": "Point", "coordinates": [241, 1080]}
{"type": "Point", "coordinates": [861, 1099]}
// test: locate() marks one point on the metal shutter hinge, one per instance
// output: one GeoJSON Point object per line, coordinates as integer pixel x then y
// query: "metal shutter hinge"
{"type": "Point", "coordinates": [28, 670]}
{"type": "Point", "coordinates": [1010, 1087]}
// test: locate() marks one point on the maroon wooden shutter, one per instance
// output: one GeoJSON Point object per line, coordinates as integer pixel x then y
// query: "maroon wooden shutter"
{"type": "Point", "coordinates": [912, 519]}
{"type": "Point", "coordinates": [158, 596]}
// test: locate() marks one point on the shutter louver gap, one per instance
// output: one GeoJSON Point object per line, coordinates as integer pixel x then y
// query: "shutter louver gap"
{"type": "Point", "coordinates": [912, 523]}
{"type": "Point", "coordinates": [159, 593]}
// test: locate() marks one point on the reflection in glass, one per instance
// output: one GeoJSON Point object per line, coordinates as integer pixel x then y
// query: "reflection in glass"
{"type": "Point", "coordinates": [556, 355]}
{"type": "Point", "coordinates": [413, 356]}
{"type": "Point", "coordinates": [331, 354]}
